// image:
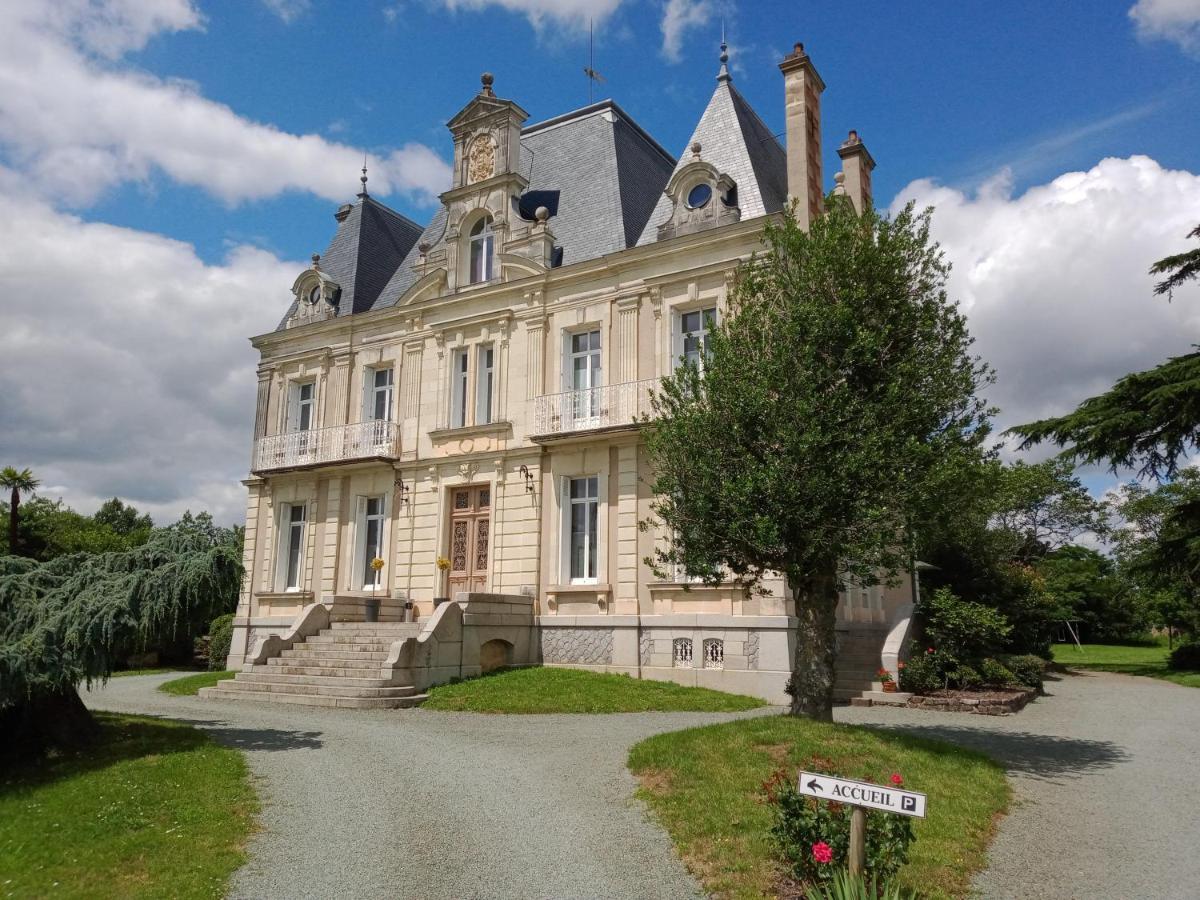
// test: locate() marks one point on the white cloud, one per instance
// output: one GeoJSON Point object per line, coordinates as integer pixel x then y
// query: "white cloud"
{"type": "Point", "coordinates": [1054, 281]}
{"type": "Point", "coordinates": [288, 10]}
{"type": "Point", "coordinates": [77, 126]}
{"type": "Point", "coordinates": [124, 364]}
{"type": "Point", "coordinates": [1172, 20]}
{"type": "Point", "coordinates": [571, 13]}
{"type": "Point", "coordinates": [678, 17]}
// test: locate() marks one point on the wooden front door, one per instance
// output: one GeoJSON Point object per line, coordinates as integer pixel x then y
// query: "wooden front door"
{"type": "Point", "coordinates": [470, 528]}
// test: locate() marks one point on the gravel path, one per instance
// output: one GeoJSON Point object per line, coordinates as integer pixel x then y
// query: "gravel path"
{"type": "Point", "coordinates": [1105, 772]}
{"type": "Point", "coordinates": [408, 803]}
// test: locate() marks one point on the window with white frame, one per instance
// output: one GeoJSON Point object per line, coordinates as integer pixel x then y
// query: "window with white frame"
{"type": "Point", "coordinates": [290, 556]}
{"type": "Point", "coordinates": [482, 251]}
{"type": "Point", "coordinates": [460, 386]}
{"type": "Point", "coordinates": [371, 516]}
{"type": "Point", "coordinates": [583, 374]}
{"type": "Point", "coordinates": [301, 409]}
{"type": "Point", "coordinates": [691, 336]}
{"type": "Point", "coordinates": [379, 386]}
{"type": "Point", "coordinates": [485, 381]}
{"type": "Point", "coordinates": [582, 529]}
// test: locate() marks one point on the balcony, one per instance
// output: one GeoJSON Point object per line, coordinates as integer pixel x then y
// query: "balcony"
{"type": "Point", "coordinates": [592, 409]}
{"type": "Point", "coordinates": [325, 446]}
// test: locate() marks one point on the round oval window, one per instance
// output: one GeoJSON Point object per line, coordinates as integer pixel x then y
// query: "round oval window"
{"type": "Point", "coordinates": [699, 196]}
{"type": "Point", "coordinates": [315, 294]}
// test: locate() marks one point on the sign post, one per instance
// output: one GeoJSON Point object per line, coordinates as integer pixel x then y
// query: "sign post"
{"type": "Point", "coordinates": [861, 796]}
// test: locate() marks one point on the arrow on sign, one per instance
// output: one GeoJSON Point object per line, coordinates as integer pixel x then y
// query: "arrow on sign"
{"type": "Point", "coordinates": [814, 785]}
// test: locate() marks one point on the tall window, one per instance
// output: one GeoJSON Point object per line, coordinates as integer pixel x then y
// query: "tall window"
{"type": "Point", "coordinates": [370, 526]}
{"type": "Point", "coordinates": [482, 245]}
{"type": "Point", "coordinates": [583, 374]}
{"type": "Point", "coordinates": [379, 389]}
{"type": "Point", "coordinates": [459, 387]}
{"type": "Point", "coordinates": [300, 406]}
{"type": "Point", "coordinates": [691, 342]}
{"type": "Point", "coordinates": [583, 522]}
{"type": "Point", "coordinates": [291, 545]}
{"type": "Point", "coordinates": [485, 380]}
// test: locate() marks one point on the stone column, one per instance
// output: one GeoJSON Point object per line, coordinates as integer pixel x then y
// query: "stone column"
{"type": "Point", "coordinates": [330, 556]}
{"type": "Point", "coordinates": [241, 623]}
{"type": "Point", "coordinates": [627, 334]}
{"type": "Point", "coordinates": [336, 386]}
{"type": "Point", "coordinates": [409, 415]}
{"type": "Point", "coordinates": [535, 330]}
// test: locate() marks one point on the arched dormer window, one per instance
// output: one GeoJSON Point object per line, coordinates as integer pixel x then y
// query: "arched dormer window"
{"type": "Point", "coordinates": [482, 251]}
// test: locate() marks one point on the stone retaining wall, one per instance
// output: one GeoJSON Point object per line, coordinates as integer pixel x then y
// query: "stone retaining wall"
{"type": "Point", "coordinates": [979, 706]}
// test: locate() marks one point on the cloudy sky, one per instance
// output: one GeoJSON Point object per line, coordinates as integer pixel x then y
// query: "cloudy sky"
{"type": "Point", "coordinates": [167, 165]}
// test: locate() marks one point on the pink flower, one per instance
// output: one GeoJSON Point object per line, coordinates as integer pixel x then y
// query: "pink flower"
{"type": "Point", "coordinates": [822, 852]}
{"type": "Point", "coordinates": [930, 650]}
{"type": "Point", "coordinates": [896, 779]}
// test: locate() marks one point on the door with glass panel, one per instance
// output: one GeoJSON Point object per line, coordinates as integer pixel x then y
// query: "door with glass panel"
{"type": "Point", "coordinates": [583, 515]}
{"type": "Point", "coordinates": [380, 389]}
{"type": "Point", "coordinates": [584, 380]}
{"type": "Point", "coordinates": [470, 530]}
{"type": "Point", "coordinates": [301, 416]}
{"type": "Point", "coordinates": [370, 522]}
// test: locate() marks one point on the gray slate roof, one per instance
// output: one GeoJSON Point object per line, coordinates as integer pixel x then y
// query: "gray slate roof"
{"type": "Point", "coordinates": [738, 143]}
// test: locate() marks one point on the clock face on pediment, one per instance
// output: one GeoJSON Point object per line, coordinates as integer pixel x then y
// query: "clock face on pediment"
{"type": "Point", "coordinates": [481, 159]}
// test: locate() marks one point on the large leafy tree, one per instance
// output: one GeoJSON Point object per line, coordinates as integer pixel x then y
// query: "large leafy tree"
{"type": "Point", "coordinates": [1148, 420]}
{"type": "Point", "coordinates": [837, 393]}
{"type": "Point", "coordinates": [70, 620]}
{"type": "Point", "coordinates": [18, 483]}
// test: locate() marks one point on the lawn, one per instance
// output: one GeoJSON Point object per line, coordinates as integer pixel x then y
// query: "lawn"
{"type": "Point", "coordinates": [705, 786]}
{"type": "Point", "coordinates": [154, 809]}
{"type": "Point", "coordinates": [190, 684]}
{"type": "Point", "coordinates": [554, 690]}
{"type": "Point", "coordinates": [1142, 660]}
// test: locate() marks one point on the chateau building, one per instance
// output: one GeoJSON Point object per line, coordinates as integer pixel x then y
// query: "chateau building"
{"type": "Point", "coordinates": [446, 414]}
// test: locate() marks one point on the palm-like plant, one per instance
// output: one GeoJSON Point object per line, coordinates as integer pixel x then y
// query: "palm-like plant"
{"type": "Point", "coordinates": [19, 483]}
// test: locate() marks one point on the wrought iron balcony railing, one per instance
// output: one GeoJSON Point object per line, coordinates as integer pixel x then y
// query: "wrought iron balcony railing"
{"type": "Point", "coordinates": [609, 406]}
{"type": "Point", "coordinates": [319, 446]}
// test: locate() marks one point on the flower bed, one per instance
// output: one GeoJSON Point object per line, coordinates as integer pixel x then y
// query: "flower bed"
{"type": "Point", "coordinates": [994, 702]}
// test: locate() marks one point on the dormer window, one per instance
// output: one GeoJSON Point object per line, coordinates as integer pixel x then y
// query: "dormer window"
{"type": "Point", "coordinates": [699, 196]}
{"type": "Point", "coordinates": [482, 251]}
{"type": "Point", "coordinates": [314, 295]}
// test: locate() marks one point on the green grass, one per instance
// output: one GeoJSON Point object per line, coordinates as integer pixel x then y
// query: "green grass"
{"type": "Point", "coordinates": [554, 690]}
{"type": "Point", "coordinates": [705, 787]}
{"type": "Point", "coordinates": [190, 684]}
{"type": "Point", "coordinates": [1150, 661]}
{"type": "Point", "coordinates": [153, 809]}
{"type": "Point", "coordinates": [124, 672]}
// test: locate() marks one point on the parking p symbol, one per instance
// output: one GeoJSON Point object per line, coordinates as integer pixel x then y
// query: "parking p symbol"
{"type": "Point", "coordinates": [908, 804]}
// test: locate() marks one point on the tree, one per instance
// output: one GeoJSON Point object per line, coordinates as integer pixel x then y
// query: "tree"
{"type": "Point", "coordinates": [1148, 420]}
{"type": "Point", "coordinates": [1041, 507]}
{"type": "Point", "coordinates": [50, 528]}
{"type": "Point", "coordinates": [18, 483]}
{"type": "Point", "coordinates": [122, 518]}
{"type": "Point", "coordinates": [1087, 586]}
{"type": "Point", "coordinates": [70, 620]}
{"type": "Point", "coordinates": [836, 394]}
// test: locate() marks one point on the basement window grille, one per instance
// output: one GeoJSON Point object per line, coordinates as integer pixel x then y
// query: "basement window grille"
{"type": "Point", "coordinates": [683, 653]}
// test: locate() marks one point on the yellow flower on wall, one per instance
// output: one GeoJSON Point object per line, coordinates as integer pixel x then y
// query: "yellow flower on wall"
{"type": "Point", "coordinates": [377, 564]}
{"type": "Point", "coordinates": [443, 563]}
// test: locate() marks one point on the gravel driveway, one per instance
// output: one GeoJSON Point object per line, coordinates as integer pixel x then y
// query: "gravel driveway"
{"type": "Point", "coordinates": [409, 803]}
{"type": "Point", "coordinates": [1106, 772]}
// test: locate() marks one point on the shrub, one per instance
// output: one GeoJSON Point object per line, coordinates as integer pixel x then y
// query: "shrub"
{"type": "Point", "coordinates": [844, 886]}
{"type": "Point", "coordinates": [1185, 657]}
{"type": "Point", "coordinates": [996, 673]}
{"type": "Point", "coordinates": [964, 676]}
{"type": "Point", "coordinates": [1027, 669]}
{"type": "Point", "coordinates": [963, 629]}
{"type": "Point", "coordinates": [922, 673]}
{"type": "Point", "coordinates": [220, 634]}
{"type": "Point", "coordinates": [813, 836]}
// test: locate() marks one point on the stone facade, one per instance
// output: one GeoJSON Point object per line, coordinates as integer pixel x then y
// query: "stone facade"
{"type": "Point", "coordinates": [583, 646]}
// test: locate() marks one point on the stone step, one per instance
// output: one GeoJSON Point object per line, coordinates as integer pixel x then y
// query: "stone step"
{"type": "Point", "coordinates": [274, 676]}
{"type": "Point", "coordinates": [356, 643]}
{"type": "Point", "coordinates": [305, 651]}
{"type": "Point", "coordinates": [325, 671]}
{"type": "Point", "coordinates": [382, 628]}
{"type": "Point", "coordinates": [321, 690]}
{"type": "Point", "coordinates": [327, 662]}
{"type": "Point", "coordinates": [216, 693]}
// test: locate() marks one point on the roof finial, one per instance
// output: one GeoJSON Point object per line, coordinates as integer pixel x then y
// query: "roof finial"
{"type": "Point", "coordinates": [723, 77]}
{"type": "Point", "coordinates": [363, 179]}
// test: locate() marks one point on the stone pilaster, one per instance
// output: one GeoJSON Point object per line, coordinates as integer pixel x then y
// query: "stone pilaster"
{"type": "Point", "coordinates": [627, 335]}
{"type": "Point", "coordinates": [625, 584]}
{"type": "Point", "coordinates": [332, 533]}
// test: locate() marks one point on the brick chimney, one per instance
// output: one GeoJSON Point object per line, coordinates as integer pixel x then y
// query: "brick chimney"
{"type": "Point", "coordinates": [802, 98]}
{"type": "Point", "coordinates": [857, 163]}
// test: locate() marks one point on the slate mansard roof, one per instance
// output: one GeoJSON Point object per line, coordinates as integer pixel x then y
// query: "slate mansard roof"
{"type": "Point", "coordinates": [602, 176]}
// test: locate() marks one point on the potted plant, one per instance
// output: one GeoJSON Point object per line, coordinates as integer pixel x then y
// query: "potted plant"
{"type": "Point", "coordinates": [372, 604]}
{"type": "Point", "coordinates": [443, 565]}
{"type": "Point", "coordinates": [886, 679]}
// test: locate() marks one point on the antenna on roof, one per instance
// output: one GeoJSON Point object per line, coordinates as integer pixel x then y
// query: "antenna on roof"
{"type": "Point", "coordinates": [363, 179]}
{"type": "Point", "coordinates": [723, 76]}
{"type": "Point", "coordinates": [589, 70]}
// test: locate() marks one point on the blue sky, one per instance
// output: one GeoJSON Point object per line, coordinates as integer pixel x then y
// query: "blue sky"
{"type": "Point", "coordinates": [167, 165]}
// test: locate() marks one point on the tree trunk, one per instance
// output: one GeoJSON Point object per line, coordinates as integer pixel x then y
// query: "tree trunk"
{"type": "Point", "coordinates": [57, 720]}
{"type": "Point", "coordinates": [811, 686]}
{"type": "Point", "coordinates": [12, 521]}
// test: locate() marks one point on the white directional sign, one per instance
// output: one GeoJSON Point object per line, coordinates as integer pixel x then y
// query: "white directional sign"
{"type": "Point", "coordinates": [862, 793]}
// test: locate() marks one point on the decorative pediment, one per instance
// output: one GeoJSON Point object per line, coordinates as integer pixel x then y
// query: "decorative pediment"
{"type": "Point", "coordinates": [432, 284]}
{"type": "Point", "coordinates": [316, 295]}
{"type": "Point", "coordinates": [702, 197]}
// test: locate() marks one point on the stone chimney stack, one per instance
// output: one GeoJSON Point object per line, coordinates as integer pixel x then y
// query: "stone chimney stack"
{"type": "Point", "coordinates": [802, 97]}
{"type": "Point", "coordinates": [857, 163]}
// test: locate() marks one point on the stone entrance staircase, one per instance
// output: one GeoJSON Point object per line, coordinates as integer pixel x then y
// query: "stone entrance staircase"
{"type": "Point", "coordinates": [859, 657]}
{"type": "Point", "coordinates": [338, 666]}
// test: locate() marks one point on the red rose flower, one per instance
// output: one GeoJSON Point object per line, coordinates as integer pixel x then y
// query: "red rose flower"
{"type": "Point", "coordinates": [930, 650]}
{"type": "Point", "coordinates": [896, 779]}
{"type": "Point", "coordinates": [822, 852]}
